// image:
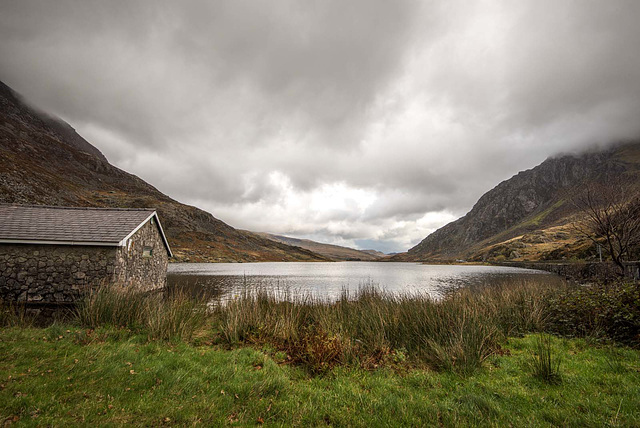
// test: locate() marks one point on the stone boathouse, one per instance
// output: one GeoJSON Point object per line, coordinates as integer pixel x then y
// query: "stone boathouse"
{"type": "Point", "coordinates": [54, 254]}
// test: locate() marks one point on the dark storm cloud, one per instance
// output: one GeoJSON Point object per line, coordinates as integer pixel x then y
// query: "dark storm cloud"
{"type": "Point", "coordinates": [311, 70]}
{"type": "Point", "coordinates": [356, 122]}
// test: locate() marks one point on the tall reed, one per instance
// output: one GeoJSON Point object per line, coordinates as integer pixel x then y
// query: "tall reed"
{"type": "Point", "coordinates": [14, 314]}
{"type": "Point", "coordinates": [544, 361]}
{"type": "Point", "coordinates": [176, 316]}
{"type": "Point", "coordinates": [457, 333]}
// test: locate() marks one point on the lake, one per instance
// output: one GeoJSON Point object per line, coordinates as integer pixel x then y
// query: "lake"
{"type": "Point", "coordinates": [328, 280]}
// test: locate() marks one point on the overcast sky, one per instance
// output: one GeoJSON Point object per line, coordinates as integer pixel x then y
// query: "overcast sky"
{"type": "Point", "coordinates": [367, 123]}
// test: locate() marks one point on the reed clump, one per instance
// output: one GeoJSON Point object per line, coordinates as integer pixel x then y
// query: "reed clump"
{"type": "Point", "coordinates": [14, 314]}
{"type": "Point", "coordinates": [372, 327]}
{"type": "Point", "coordinates": [545, 361]}
{"type": "Point", "coordinates": [177, 316]}
{"type": "Point", "coordinates": [456, 333]}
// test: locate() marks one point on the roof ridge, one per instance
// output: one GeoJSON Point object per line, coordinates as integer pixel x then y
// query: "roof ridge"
{"type": "Point", "coordinates": [75, 208]}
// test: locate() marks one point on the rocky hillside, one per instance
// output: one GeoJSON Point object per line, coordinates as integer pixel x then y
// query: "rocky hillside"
{"type": "Point", "coordinates": [333, 252]}
{"type": "Point", "coordinates": [44, 161]}
{"type": "Point", "coordinates": [529, 216]}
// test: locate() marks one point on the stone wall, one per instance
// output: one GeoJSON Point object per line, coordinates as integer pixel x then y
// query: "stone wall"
{"type": "Point", "coordinates": [61, 273]}
{"type": "Point", "coordinates": [53, 273]}
{"type": "Point", "coordinates": [134, 269]}
{"type": "Point", "coordinates": [632, 270]}
{"type": "Point", "coordinates": [578, 271]}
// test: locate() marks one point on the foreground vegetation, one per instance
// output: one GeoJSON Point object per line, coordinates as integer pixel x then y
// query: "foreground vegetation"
{"type": "Point", "coordinates": [53, 376]}
{"type": "Point", "coordinates": [456, 334]}
{"type": "Point", "coordinates": [478, 357]}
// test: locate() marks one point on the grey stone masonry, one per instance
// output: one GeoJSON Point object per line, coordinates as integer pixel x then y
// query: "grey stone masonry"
{"type": "Point", "coordinates": [52, 273]}
{"type": "Point", "coordinates": [134, 268]}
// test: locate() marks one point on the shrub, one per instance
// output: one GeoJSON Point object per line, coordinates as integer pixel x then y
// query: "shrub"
{"type": "Point", "coordinates": [316, 350]}
{"type": "Point", "coordinates": [610, 312]}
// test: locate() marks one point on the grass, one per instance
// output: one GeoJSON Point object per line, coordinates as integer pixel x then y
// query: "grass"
{"type": "Point", "coordinates": [13, 314]}
{"type": "Point", "coordinates": [176, 317]}
{"type": "Point", "coordinates": [458, 333]}
{"type": "Point", "coordinates": [50, 377]}
{"type": "Point", "coordinates": [370, 359]}
{"type": "Point", "coordinates": [544, 361]}
{"type": "Point", "coordinates": [373, 328]}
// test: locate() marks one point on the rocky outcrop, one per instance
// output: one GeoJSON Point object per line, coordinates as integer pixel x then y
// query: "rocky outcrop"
{"type": "Point", "coordinates": [529, 201]}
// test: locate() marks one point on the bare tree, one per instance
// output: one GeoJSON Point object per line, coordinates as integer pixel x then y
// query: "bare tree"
{"type": "Point", "coordinates": [611, 217]}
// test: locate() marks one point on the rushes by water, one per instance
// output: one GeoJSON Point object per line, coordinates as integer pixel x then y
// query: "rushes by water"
{"type": "Point", "coordinates": [373, 327]}
{"type": "Point", "coordinates": [175, 317]}
{"type": "Point", "coordinates": [368, 329]}
{"type": "Point", "coordinates": [457, 333]}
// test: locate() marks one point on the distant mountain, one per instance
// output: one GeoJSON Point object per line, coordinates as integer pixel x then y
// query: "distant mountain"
{"type": "Point", "coordinates": [376, 253]}
{"type": "Point", "coordinates": [333, 252]}
{"type": "Point", "coordinates": [529, 216]}
{"type": "Point", "coordinates": [44, 161]}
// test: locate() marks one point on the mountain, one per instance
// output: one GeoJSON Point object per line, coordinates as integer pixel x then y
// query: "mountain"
{"type": "Point", "coordinates": [333, 252]}
{"type": "Point", "coordinates": [376, 253]}
{"type": "Point", "coordinates": [529, 216]}
{"type": "Point", "coordinates": [44, 161]}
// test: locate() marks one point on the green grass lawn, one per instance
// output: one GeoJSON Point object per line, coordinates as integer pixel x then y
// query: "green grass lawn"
{"type": "Point", "coordinates": [63, 376]}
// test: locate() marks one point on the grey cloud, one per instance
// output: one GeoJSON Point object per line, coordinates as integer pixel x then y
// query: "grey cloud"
{"type": "Point", "coordinates": [310, 70]}
{"type": "Point", "coordinates": [404, 206]}
{"type": "Point", "coordinates": [426, 105]}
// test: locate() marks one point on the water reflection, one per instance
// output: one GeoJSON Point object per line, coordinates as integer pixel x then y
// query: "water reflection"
{"type": "Point", "coordinates": [222, 281]}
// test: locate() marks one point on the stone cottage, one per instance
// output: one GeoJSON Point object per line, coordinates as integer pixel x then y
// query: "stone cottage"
{"type": "Point", "coordinates": [54, 254]}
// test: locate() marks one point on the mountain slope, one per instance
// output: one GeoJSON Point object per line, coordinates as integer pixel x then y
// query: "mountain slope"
{"type": "Point", "coordinates": [533, 207]}
{"type": "Point", "coordinates": [376, 253]}
{"type": "Point", "coordinates": [44, 161]}
{"type": "Point", "coordinates": [334, 252]}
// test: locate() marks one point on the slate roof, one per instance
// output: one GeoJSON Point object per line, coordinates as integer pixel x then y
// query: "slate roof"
{"type": "Point", "coordinates": [71, 225]}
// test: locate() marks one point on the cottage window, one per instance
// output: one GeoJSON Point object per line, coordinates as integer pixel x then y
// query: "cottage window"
{"type": "Point", "coordinates": [147, 251]}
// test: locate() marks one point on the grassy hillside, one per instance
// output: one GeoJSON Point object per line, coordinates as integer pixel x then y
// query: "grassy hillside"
{"type": "Point", "coordinates": [333, 252]}
{"type": "Point", "coordinates": [43, 161]}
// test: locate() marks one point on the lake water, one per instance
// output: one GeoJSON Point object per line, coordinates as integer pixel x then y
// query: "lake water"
{"type": "Point", "coordinates": [328, 280]}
